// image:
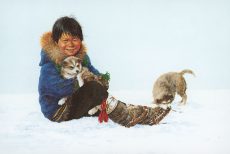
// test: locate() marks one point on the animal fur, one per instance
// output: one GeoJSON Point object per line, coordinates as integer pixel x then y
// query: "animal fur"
{"type": "Point", "coordinates": [167, 85]}
{"type": "Point", "coordinates": [53, 51]}
{"type": "Point", "coordinates": [72, 68]}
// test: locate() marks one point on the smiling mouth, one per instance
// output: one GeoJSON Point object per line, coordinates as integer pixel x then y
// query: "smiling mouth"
{"type": "Point", "coordinates": [69, 49]}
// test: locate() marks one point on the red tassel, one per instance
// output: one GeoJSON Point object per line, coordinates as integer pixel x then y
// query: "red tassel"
{"type": "Point", "coordinates": [103, 116]}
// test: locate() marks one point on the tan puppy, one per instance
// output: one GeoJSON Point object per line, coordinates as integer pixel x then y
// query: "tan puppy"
{"type": "Point", "coordinates": [167, 85]}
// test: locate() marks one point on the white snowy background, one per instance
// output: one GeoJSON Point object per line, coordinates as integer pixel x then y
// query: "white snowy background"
{"type": "Point", "coordinates": [135, 41]}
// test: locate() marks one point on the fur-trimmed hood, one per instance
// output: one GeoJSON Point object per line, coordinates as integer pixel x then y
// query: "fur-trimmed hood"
{"type": "Point", "coordinates": [53, 52]}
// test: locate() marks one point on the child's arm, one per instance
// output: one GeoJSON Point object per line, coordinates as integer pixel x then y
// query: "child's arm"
{"type": "Point", "coordinates": [104, 78]}
{"type": "Point", "coordinates": [87, 63]}
{"type": "Point", "coordinates": [52, 83]}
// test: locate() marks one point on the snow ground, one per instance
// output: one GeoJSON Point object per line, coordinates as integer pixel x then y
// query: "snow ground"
{"type": "Point", "coordinates": [200, 127]}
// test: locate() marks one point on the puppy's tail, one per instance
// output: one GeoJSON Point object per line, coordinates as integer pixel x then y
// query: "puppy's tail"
{"type": "Point", "coordinates": [187, 71]}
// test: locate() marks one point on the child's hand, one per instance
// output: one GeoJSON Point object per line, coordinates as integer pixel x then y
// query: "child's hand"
{"type": "Point", "coordinates": [104, 81]}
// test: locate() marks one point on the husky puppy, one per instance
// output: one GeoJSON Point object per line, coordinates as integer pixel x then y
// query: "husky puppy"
{"type": "Point", "coordinates": [72, 68]}
{"type": "Point", "coordinates": [167, 85]}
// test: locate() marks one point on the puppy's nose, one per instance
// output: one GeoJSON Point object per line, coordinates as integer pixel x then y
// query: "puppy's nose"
{"type": "Point", "coordinates": [77, 71]}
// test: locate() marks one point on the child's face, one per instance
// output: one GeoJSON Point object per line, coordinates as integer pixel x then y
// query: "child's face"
{"type": "Point", "coordinates": [69, 44]}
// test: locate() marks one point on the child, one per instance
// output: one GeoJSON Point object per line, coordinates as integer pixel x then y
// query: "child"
{"type": "Point", "coordinates": [66, 40]}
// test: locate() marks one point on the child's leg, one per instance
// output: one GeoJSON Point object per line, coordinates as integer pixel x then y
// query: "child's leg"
{"type": "Point", "coordinates": [92, 94]}
{"type": "Point", "coordinates": [87, 97]}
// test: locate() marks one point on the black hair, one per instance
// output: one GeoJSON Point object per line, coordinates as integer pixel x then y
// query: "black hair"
{"type": "Point", "coordinates": [67, 25]}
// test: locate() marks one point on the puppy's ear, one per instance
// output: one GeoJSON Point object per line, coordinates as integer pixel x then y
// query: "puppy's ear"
{"type": "Point", "coordinates": [79, 60]}
{"type": "Point", "coordinates": [157, 101]}
{"type": "Point", "coordinates": [64, 63]}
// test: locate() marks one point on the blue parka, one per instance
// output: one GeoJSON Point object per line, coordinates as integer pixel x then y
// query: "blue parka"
{"type": "Point", "coordinates": [52, 87]}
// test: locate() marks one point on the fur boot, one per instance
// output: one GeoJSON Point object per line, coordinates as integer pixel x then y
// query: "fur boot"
{"type": "Point", "coordinates": [129, 115]}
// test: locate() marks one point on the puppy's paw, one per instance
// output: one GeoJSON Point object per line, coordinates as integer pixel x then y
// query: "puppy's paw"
{"type": "Point", "coordinates": [154, 105]}
{"type": "Point", "coordinates": [80, 80]}
{"type": "Point", "coordinates": [93, 111]}
{"type": "Point", "coordinates": [165, 106]}
{"type": "Point", "coordinates": [62, 101]}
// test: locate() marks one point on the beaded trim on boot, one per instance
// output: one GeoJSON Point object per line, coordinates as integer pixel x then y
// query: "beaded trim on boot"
{"type": "Point", "coordinates": [111, 104]}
